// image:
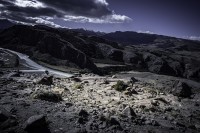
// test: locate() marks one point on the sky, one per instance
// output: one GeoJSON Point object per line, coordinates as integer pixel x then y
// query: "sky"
{"type": "Point", "coordinates": [179, 18]}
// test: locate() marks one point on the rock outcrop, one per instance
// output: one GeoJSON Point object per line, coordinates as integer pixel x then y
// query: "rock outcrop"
{"type": "Point", "coordinates": [182, 89]}
{"type": "Point", "coordinates": [41, 40]}
{"type": "Point", "coordinates": [36, 123]}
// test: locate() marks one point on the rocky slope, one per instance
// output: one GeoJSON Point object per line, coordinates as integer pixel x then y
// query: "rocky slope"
{"type": "Point", "coordinates": [48, 46]}
{"type": "Point", "coordinates": [160, 54]}
{"type": "Point", "coordinates": [63, 47]}
{"type": "Point", "coordinates": [88, 103]}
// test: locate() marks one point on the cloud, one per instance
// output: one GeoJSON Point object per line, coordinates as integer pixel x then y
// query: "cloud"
{"type": "Point", "coordinates": [44, 11]}
{"type": "Point", "coordinates": [87, 8]}
{"type": "Point", "coordinates": [28, 3]}
{"type": "Point", "coordinates": [113, 18]}
{"type": "Point", "coordinates": [192, 38]}
{"type": "Point", "coordinates": [147, 32]}
{"type": "Point", "coordinates": [43, 21]}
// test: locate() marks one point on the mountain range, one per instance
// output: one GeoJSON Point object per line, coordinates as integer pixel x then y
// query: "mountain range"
{"type": "Point", "coordinates": [82, 49]}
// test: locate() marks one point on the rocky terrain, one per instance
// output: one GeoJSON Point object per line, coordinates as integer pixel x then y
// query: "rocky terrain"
{"type": "Point", "coordinates": [122, 83]}
{"type": "Point", "coordinates": [87, 103]}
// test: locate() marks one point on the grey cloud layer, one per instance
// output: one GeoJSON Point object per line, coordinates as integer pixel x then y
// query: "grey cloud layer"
{"type": "Point", "coordinates": [43, 11]}
{"type": "Point", "coordinates": [89, 8]}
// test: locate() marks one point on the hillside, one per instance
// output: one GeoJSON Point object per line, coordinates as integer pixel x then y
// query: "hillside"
{"type": "Point", "coordinates": [63, 47]}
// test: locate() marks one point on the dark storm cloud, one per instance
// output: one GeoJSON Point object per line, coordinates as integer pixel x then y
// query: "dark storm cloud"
{"type": "Point", "coordinates": [89, 8]}
{"type": "Point", "coordinates": [31, 11]}
{"type": "Point", "coordinates": [43, 11]}
{"type": "Point", "coordinates": [24, 13]}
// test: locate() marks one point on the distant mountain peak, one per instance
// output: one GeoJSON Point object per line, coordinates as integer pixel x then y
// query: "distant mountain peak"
{"type": "Point", "coordinates": [5, 23]}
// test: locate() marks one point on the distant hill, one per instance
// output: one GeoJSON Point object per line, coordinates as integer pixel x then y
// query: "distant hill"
{"type": "Point", "coordinates": [4, 24]}
{"type": "Point", "coordinates": [132, 38]}
{"type": "Point", "coordinates": [82, 49]}
{"type": "Point", "coordinates": [88, 32]}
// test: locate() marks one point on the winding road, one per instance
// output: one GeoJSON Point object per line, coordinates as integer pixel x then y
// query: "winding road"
{"type": "Point", "coordinates": [35, 67]}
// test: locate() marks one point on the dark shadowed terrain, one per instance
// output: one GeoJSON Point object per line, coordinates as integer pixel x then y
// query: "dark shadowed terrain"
{"type": "Point", "coordinates": [122, 82]}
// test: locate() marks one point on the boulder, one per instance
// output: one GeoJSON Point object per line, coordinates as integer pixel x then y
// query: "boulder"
{"type": "Point", "coordinates": [130, 91]}
{"type": "Point", "coordinates": [76, 79]}
{"type": "Point", "coordinates": [129, 112]}
{"type": "Point", "coordinates": [83, 116]}
{"type": "Point", "coordinates": [4, 115]}
{"type": "Point", "coordinates": [182, 90]}
{"type": "Point", "coordinates": [1, 73]}
{"type": "Point", "coordinates": [83, 113]}
{"type": "Point", "coordinates": [46, 80]}
{"type": "Point", "coordinates": [133, 80]}
{"type": "Point", "coordinates": [114, 121]}
{"type": "Point", "coordinates": [37, 124]}
{"type": "Point", "coordinates": [6, 120]}
{"type": "Point", "coordinates": [8, 124]}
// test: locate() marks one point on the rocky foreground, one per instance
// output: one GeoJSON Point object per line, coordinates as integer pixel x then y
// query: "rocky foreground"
{"type": "Point", "coordinates": [89, 103]}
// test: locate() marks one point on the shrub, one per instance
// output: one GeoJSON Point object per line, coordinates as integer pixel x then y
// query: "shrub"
{"type": "Point", "coordinates": [78, 86]}
{"type": "Point", "coordinates": [120, 86]}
